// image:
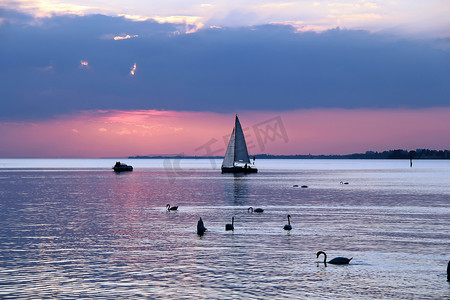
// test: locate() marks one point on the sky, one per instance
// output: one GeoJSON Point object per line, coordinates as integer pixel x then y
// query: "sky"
{"type": "Point", "coordinates": [101, 79]}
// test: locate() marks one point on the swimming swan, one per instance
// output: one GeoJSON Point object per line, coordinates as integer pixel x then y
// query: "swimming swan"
{"type": "Point", "coordinates": [288, 225]}
{"type": "Point", "coordinates": [336, 260]}
{"type": "Point", "coordinates": [230, 226]}
{"type": "Point", "coordinates": [200, 227]}
{"type": "Point", "coordinates": [448, 271]}
{"type": "Point", "coordinates": [171, 207]}
{"type": "Point", "coordinates": [258, 210]}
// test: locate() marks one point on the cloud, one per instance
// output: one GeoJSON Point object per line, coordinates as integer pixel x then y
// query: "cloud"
{"type": "Point", "coordinates": [133, 70]}
{"type": "Point", "coordinates": [270, 67]}
{"type": "Point", "coordinates": [406, 17]}
{"type": "Point", "coordinates": [191, 24]}
{"type": "Point", "coordinates": [45, 9]}
{"type": "Point", "coordinates": [84, 64]}
{"type": "Point", "coordinates": [125, 37]}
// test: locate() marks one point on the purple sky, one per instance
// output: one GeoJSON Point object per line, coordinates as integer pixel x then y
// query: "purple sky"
{"type": "Point", "coordinates": [60, 66]}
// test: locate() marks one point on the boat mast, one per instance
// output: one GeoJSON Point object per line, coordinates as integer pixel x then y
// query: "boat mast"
{"type": "Point", "coordinates": [234, 131]}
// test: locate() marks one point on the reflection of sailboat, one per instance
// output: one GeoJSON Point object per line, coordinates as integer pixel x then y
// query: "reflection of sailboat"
{"type": "Point", "coordinates": [236, 189]}
{"type": "Point", "coordinates": [236, 158]}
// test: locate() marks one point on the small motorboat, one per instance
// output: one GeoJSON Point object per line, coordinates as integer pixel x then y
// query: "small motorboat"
{"type": "Point", "coordinates": [121, 167]}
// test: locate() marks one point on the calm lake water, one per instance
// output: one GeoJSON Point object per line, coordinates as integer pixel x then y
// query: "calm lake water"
{"type": "Point", "coordinates": [72, 228]}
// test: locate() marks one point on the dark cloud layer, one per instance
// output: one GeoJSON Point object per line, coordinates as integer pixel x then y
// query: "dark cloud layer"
{"type": "Point", "coordinates": [225, 70]}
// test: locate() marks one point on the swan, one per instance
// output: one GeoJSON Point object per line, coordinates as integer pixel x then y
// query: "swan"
{"type": "Point", "coordinates": [288, 225]}
{"type": "Point", "coordinates": [448, 271]}
{"type": "Point", "coordinates": [336, 260]}
{"type": "Point", "coordinates": [200, 227]}
{"type": "Point", "coordinates": [230, 226]}
{"type": "Point", "coordinates": [171, 207]}
{"type": "Point", "coordinates": [258, 210]}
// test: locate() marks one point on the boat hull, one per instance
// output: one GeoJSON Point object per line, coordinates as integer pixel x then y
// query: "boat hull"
{"type": "Point", "coordinates": [239, 170]}
{"type": "Point", "coordinates": [123, 169]}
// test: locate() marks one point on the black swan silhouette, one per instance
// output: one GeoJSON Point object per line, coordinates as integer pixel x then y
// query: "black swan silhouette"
{"type": "Point", "coordinates": [171, 207]}
{"type": "Point", "coordinates": [200, 227]}
{"type": "Point", "coordinates": [258, 210]}
{"type": "Point", "coordinates": [336, 260]}
{"type": "Point", "coordinates": [288, 225]}
{"type": "Point", "coordinates": [230, 226]}
{"type": "Point", "coordinates": [448, 271]}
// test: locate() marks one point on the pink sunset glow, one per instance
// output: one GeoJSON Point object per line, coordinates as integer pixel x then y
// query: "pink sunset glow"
{"type": "Point", "coordinates": [150, 132]}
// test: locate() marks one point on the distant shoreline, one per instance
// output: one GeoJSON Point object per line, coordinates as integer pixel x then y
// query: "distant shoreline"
{"type": "Point", "coordinates": [390, 154]}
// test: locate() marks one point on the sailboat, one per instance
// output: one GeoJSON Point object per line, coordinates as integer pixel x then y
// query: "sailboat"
{"type": "Point", "coordinates": [236, 158]}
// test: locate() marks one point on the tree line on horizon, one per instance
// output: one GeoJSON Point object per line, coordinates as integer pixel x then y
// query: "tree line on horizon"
{"type": "Point", "coordinates": [389, 154]}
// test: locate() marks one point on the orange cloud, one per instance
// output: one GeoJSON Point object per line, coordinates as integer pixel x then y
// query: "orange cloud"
{"type": "Point", "coordinates": [126, 37]}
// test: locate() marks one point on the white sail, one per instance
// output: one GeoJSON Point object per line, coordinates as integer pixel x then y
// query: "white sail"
{"type": "Point", "coordinates": [240, 152]}
{"type": "Point", "coordinates": [228, 160]}
{"type": "Point", "coordinates": [236, 158]}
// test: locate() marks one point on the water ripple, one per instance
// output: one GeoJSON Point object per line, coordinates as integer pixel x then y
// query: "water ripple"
{"type": "Point", "coordinates": [87, 234]}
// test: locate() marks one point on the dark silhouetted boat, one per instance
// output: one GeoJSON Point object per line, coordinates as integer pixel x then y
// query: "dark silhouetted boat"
{"type": "Point", "coordinates": [236, 158]}
{"type": "Point", "coordinates": [121, 167]}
